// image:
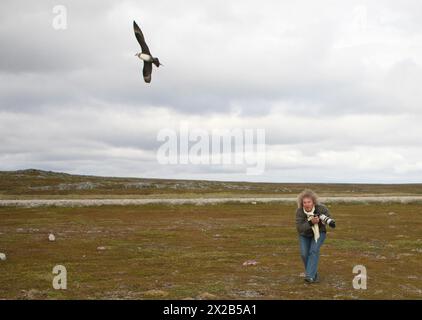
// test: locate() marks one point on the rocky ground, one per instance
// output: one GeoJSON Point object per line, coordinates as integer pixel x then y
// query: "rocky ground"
{"type": "Point", "coordinates": [220, 250]}
{"type": "Point", "coordinates": [200, 201]}
{"type": "Point", "coordinates": [133, 238]}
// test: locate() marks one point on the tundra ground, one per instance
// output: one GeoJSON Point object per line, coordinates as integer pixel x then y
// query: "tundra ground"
{"type": "Point", "coordinates": [188, 251]}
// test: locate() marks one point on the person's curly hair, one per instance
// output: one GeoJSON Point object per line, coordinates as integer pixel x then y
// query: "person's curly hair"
{"type": "Point", "coordinates": [307, 193]}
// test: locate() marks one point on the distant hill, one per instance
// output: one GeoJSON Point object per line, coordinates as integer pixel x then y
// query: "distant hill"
{"type": "Point", "coordinates": [34, 182]}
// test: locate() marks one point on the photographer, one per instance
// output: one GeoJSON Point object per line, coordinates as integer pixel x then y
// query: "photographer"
{"type": "Point", "coordinates": [311, 220]}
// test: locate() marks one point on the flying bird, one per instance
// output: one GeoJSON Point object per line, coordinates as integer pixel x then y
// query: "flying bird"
{"type": "Point", "coordinates": [145, 55]}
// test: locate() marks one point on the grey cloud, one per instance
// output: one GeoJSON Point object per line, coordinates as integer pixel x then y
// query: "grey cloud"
{"type": "Point", "coordinates": [324, 78]}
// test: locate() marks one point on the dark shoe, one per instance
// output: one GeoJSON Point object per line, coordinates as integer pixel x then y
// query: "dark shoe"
{"type": "Point", "coordinates": [312, 280]}
{"type": "Point", "coordinates": [309, 280]}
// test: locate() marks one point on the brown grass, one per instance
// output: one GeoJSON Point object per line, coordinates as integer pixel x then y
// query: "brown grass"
{"type": "Point", "coordinates": [188, 251]}
{"type": "Point", "coordinates": [29, 184]}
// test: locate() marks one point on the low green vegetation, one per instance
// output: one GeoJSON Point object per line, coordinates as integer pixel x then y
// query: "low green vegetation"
{"type": "Point", "coordinates": [188, 251]}
{"type": "Point", "coordinates": [30, 184]}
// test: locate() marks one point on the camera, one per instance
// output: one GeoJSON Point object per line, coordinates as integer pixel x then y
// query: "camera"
{"type": "Point", "coordinates": [327, 220]}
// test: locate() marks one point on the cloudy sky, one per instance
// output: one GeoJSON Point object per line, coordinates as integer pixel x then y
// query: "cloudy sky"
{"type": "Point", "coordinates": [336, 85]}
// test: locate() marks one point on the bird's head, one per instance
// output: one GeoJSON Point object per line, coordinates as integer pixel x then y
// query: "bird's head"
{"type": "Point", "coordinates": [157, 62]}
{"type": "Point", "coordinates": [138, 55]}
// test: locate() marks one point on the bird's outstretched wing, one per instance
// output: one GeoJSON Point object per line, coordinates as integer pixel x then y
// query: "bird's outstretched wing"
{"type": "Point", "coordinates": [147, 71]}
{"type": "Point", "coordinates": [140, 37]}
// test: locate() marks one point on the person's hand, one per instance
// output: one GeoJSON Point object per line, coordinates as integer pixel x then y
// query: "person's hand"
{"type": "Point", "coordinates": [315, 220]}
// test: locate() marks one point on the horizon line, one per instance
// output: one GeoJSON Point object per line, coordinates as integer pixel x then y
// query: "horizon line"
{"type": "Point", "coordinates": [209, 180]}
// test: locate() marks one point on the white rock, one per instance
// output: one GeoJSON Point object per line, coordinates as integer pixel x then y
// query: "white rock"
{"type": "Point", "coordinates": [51, 237]}
{"type": "Point", "coordinates": [250, 263]}
{"type": "Point", "coordinates": [2, 257]}
{"type": "Point", "coordinates": [101, 248]}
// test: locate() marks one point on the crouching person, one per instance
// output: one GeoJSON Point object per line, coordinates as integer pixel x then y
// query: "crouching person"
{"type": "Point", "coordinates": [311, 221]}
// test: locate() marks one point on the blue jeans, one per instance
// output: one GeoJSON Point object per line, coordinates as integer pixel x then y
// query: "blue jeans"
{"type": "Point", "coordinates": [309, 251]}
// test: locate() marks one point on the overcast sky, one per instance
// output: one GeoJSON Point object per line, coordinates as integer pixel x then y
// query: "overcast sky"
{"type": "Point", "coordinates": [336, 85]}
